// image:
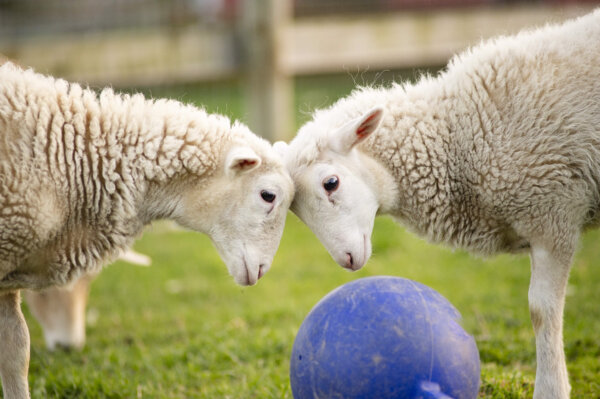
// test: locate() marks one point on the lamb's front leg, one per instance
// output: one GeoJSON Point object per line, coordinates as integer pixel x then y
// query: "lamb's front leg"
{"type": "Point", "coordinates": [14, 347]}
{"type": "Point", "coordinates": [549, 275]}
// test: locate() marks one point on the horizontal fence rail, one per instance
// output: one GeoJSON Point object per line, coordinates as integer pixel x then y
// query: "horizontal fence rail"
{"type": "Point", "coordinates": [266, 46]}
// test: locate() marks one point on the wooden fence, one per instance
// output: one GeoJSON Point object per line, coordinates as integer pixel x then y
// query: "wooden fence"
{"type": "Point", "coordinates": [267, 48]}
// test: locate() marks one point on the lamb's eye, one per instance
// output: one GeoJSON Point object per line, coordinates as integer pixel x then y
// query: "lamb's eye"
{"type": "Point", "coordinates": [267, 196]}
{"type": "Point", "coordinates": [331, 183]}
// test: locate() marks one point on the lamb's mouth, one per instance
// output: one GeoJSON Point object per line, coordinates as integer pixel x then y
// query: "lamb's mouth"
{"type": "Point", "coordinates": [247, 272]}
{"type": "Point", "coordinates": [249, 280]}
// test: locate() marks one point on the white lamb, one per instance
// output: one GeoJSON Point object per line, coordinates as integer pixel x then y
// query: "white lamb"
{"type": "Point", "coordinates": [81, 174]}
{"type": "Point", "coordinates": [498, 153]}
{"type": "Point", "coordinates": [61, 310]}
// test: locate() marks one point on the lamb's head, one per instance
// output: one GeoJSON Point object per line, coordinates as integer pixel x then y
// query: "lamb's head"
{"type": "Point", "coordinates": [335, 190]}
{"type": "Point", "coordinates": [242, 207]}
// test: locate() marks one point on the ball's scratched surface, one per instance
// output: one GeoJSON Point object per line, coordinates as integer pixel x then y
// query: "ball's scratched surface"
{"type": "Point", "coordinates": [383, 337]}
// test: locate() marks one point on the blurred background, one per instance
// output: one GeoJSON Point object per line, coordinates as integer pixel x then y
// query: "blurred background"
{"type": "Point", "coordinates": [256, 60]}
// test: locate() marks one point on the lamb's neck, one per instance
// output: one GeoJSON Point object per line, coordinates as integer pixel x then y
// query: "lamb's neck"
{"type": "Point", "coordinates": [413, 149]}
{"type": "Point", "coordinates": [381, 182]}
{"type": "Point", "coordinates": [163, 200]}
{"type": "Point", "coordinates": [178, 141]}
{"type": "Point", "coordinates": [165, 146]}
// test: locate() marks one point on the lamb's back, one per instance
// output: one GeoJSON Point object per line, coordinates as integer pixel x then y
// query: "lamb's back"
{"type": "Point", "coordinates": [66, 190]}
{"type": "Point", "coordinates": [527, 112]}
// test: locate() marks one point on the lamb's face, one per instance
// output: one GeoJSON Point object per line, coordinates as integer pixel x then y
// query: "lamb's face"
{"type": "Point", "coordinates": [339, 207]}
{"type": "Point", "coordinates": [333, 195]}
{"type": "Point", "coordinates": [243, 210]}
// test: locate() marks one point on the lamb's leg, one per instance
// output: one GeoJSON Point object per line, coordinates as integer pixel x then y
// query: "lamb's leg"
{"type": "Point", "coordinates": [546, 303]}
{"type": "Point", "coordinates": [14, 347]}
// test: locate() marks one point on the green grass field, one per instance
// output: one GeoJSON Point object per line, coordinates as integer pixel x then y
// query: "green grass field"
{"type": "Point", "coordinates": [182, 329]}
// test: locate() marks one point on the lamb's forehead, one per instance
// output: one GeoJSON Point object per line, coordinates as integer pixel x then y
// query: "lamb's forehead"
{"type": "Point", "coordinates": [311, 141]}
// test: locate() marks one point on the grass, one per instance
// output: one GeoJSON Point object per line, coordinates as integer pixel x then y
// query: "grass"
{"type": "Point", "coordinates": [183, 329]}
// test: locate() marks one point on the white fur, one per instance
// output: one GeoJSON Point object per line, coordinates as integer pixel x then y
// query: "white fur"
{"type": "Point", "coordinates": [135, 258]}
{"type": "Point", "coordinates": [60, 310]}
{"type": "Point", "coordinates": [499, 153]}
{"type": "Point", "coordinates": [81, 174]}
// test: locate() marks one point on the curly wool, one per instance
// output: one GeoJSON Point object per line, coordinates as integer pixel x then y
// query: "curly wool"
{"type": "Point", "coordinates": [78, 171]}
{"type": "Point", "coordinates": [501, 148]}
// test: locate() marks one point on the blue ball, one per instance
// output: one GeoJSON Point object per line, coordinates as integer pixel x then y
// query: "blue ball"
{"type": "Point", "coordinates": [384, 337]}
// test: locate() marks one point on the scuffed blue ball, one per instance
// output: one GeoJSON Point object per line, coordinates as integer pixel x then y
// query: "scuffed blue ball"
{"type": "Point", "coordinates": [384, 337]}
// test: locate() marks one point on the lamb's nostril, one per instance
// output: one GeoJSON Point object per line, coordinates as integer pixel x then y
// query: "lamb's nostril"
{"type": "Point", "coordinates": [349, 261]}
{"type": "Point", "coordinates": [261, 270]}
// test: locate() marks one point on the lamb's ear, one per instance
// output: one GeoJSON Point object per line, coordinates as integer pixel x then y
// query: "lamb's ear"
{"type": "Point", "coordinates": [240, 160]}
{"type": "Point", "coordinates": [356, 130]}
{"type": "Point", "coordinates": [280, 148]}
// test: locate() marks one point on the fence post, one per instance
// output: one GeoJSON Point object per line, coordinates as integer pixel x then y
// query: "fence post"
{"type": "Point", "coordinates": [269, 89]}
